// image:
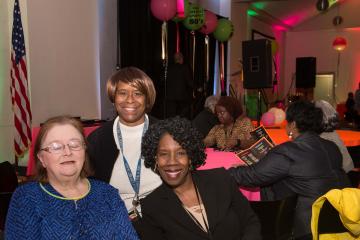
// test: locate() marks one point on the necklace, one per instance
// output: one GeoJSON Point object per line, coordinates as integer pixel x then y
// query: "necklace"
{"type": "Point", "coordinates": [66, 198]}
{"type": "Point", "coordinates": [206, 229]}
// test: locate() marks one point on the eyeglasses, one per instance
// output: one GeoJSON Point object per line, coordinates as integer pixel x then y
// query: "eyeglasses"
{"type": "Point", "coordinates": [59, 148]}
{"type": "Point", "coordinates": [221, 113]}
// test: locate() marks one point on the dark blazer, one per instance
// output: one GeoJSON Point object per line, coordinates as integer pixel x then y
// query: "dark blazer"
{"type": "Point", "coordinates": [229, 214]}
{"type": "Point", "coordinates": [103, 151]}
{"type": "Point", "coordinates": [205, 121]}
{"type": "Point", "coordinates": [309, 166]}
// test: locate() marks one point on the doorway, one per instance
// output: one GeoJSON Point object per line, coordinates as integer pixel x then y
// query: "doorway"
{"type": "Point", "coordinates": [325, 88]}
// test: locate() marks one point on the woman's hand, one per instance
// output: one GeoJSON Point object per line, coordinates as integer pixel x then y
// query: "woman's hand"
{"type": "Point", "coordinates": [231, 143]}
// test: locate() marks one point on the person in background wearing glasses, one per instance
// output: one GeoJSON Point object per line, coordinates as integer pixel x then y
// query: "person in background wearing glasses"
{"type": "Point", "coordinates": [233, 132]}
{"type": "Point", "coordinates": [63, 203]}
{"type": "Point", "coordinates": [191, 204]}
{"type": "Point", "coordinates": [115, 147]}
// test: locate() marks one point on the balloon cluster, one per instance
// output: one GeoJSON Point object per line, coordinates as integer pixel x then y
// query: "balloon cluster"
{"type": "Point", "coordinates": [274, 116]}
{"type": "Point", "coordinates": [195, 18]}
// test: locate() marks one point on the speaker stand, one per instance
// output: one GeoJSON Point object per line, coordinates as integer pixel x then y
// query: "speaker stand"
{"type": "Point", "coordinates": [259, 107]}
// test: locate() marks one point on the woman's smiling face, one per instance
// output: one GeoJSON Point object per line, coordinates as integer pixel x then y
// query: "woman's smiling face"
{"type": "Point", "coordinates": [172, 161]}
{"type": "Point", "coordinates": [130, 104]}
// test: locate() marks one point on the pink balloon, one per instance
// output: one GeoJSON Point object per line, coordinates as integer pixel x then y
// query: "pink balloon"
{"type": "Point", "coordinates": [279, 114]}
{"type": "Point", "coordinates": [210, 23]}
{"type": "Point", "coordinates": [163, 10]}
{"type": "Point", "coordinates": [268, 119]}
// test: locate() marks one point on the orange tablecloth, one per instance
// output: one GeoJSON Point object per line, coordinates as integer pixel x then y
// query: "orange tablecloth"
{"type": "Point", "coordinates": [217, 159]}
{"type": "Point", "coordinates": [350, 138]}
{"type": "Point", "coordinates": [35, 131]}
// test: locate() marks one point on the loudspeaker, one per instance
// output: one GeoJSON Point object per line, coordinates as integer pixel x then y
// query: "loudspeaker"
{"type": "Point", "coordinates": [305, 72]}
{"type": "Point", "coordinates": [257, 63]}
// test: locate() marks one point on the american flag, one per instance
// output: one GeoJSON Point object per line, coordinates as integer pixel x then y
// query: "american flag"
{"type": "Point", "coordinates": [19, 86]}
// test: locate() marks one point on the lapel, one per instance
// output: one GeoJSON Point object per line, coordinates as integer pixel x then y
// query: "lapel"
{"type": "Point", "coordinates": [209, 197]}
{"type": "Point", "coordinates": [172, 206]}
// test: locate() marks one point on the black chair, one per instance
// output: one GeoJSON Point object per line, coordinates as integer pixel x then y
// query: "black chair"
{"type": "Point", "coordinates": [4, 206]}
{"type": "Point", "coordinates": [329, 220]}
{"type": "Point", "coordinates": [8, 178]}
{"type": "Point", "coordinates": [354, 175]}
{"type": "Point", "coordinates": [276, 218]}
{"type": "Point", "coordinates": [8, 184]}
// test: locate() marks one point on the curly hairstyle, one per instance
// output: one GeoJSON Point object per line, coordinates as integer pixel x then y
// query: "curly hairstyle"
{"type": "Point", "coordinates": [182, 132]}
{"type": "Point", "coordinates": [307, 117]}
{"type": "Point", "coordinates": [232, 105]}
{"type": "Point", "coordinates": [330, 115]}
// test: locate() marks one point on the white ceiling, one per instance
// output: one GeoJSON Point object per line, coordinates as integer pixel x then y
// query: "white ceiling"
{"type": "Point", "coordinates": [286, 13]}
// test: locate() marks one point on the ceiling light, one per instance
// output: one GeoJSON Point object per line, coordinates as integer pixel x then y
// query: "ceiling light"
{"type": "Point", "coordinates": [322, 5]}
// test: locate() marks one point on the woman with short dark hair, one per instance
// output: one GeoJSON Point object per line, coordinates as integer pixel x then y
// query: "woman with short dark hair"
{"type": "Point", "coordinates": [308, 166]}
{"type": "Point", "coordinates": [115, 147]}
{"type": "Point", "coordinates": [190, 204]}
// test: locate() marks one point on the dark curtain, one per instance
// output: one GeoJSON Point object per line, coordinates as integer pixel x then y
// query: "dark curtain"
{"type": "Point", "coordinates": [140, 46]}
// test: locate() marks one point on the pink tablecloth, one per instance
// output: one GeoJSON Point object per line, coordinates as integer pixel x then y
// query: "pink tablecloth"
{"type": "Point", "coordinates": [217, 159]}
{"type": "Point", "coordinates": [35, 131]}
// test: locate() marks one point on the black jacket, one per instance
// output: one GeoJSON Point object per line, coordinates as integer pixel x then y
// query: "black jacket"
{"type": "Point", "coordinates": [309, 166]}
{"type": "Point", "coordinates": [229, 215]}
{"type": "Point", "coordinates": [205, 121]}
{"type": "Point", "coordinates": [103, 151]}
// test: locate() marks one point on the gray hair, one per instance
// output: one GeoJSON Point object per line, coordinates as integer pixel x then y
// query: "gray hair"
{"type": "Point", "coordinates": [210, 103]}
{"type": "Point", "coordinates": [330, 115]}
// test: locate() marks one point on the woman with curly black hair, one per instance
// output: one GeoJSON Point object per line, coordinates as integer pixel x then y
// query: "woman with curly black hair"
{"type": "Point", "coordinates": [308, 166]}
{"type": "Point", "coordinates": [190, 204]}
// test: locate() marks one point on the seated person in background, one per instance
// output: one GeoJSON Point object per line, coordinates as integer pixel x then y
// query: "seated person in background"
{"type": "Point", "coordinates": [63, 203]}
{"type": "Point", "coordinates": [350, 114]}
{"type": "Point", "coordinates": [234, 129]}
{"type": "Point", "coordinates": [206, 119]}
{"type": "Point", "coordinates": [308, 166]}
{"type": "Point", "coordinates": [330, 121]}
{"type": "Point", "coordinates": [191, 204]}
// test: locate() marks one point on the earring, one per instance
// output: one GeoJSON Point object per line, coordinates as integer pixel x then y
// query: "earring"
{"type": "Point", "coordinates": [290, 135]}
{"type": "Point", "coordinates": [155, 167]}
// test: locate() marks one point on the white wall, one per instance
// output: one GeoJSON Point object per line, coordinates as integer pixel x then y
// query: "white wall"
{"type": "Point", "coordinates": [71, 51]}
{"type": "Point", "coordinates": [315, 37]}
{"type": "Point", "coordinates": [64, 57]}
{"type": "Point", "coordinates": [6, 114]}
{"type": "Point", "coordinates": [319, 44]}
{"type": "Point", "coordinates": [6, 125]}
{"type": "Point", "coordinates": [107, 10]}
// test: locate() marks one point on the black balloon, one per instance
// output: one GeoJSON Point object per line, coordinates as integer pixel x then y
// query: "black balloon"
{"type": "Point", "coordinates": [322, 5]}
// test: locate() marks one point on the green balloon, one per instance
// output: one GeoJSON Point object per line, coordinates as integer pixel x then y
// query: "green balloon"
{"type": "Point", "coordinates": [186, 12]}
{"type": "Point", "coordinates": [195, 18]}
{"type": "Point", "coordinates": [224, 30]}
